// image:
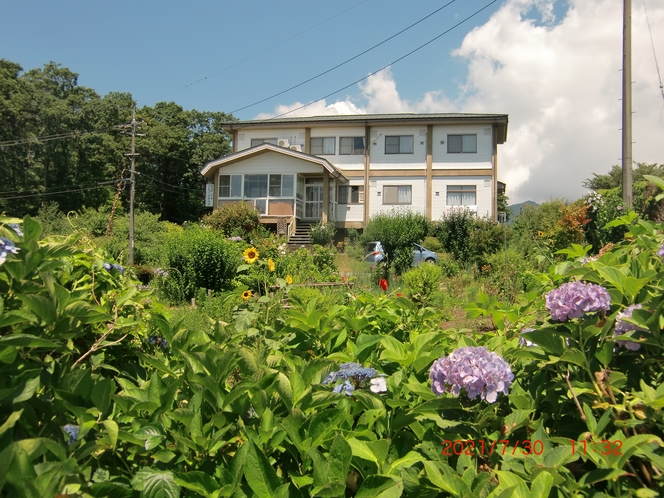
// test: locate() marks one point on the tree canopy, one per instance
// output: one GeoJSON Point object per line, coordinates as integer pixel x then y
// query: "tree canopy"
{"type": "Point", "coordinates": [64, 143]}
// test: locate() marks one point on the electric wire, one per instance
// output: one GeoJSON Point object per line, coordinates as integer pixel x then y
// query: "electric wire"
{"type": "Point", "coordinates": [258, 53]}
{"type": "Point", "coordinates": [43, 194]}
{"type": "Point", "coordinates": [344, 62]}
{"type": "Point", "coordinates": [386, 65]}
{"type": "Point", "coordinates": [167, 184]}
{"type": "Point", "coordinates": [661, 87]}
{"type": "Point", "coordinates": [58, 136]}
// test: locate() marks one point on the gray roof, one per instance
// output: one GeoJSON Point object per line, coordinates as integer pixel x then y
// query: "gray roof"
{"type": "Point", "coordinates": [500, 120]}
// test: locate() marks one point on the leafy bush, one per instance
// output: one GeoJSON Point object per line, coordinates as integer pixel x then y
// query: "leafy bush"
{"type": "Point", "coordinates": [448, 265]}
{"type": "Point", "coordinates": [454, 231]}
{"type": "Point", "coordinates": [239, 219]}
{"type": "Point", "coordinates": [305, 266]}
{"type": "Point", "coordinates": [322, 234]}
{"type": "Point", "coordinates": [432, 243]}
{"type": "Point", "coordinates": [197, 258]}
{"type": "Point", "coordinates": [352, 236]}
{"type": "Point", "coordinates": [421, 282]}
{"type": "Point", "coordinates": [403, 260]}
{"type": "Point", "coordinates": [602, 208]}
{"type": "Point", "coordinates": [486, 238]}
{"type": "Point", "coordinates": [397, 229]}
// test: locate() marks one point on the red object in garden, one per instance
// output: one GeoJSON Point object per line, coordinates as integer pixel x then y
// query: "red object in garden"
{"type": "Point", "coordinates": [383, 284]}
{"type": "Point", "coordinates": [399, 294]}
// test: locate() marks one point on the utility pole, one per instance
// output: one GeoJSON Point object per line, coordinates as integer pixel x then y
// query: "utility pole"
{"type": "Point", "coordinates": [627, 189]}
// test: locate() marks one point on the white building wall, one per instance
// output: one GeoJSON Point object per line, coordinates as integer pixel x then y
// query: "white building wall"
{"type": "Point", "coordinates": [295, 136]}
{"type": "Point", "coordinates": [479, 160]}
{"type": "Point", "coordinates": [418, 190]}
{"type": "Point", "coordinates": [382, 161]}
{"type": "Point", "coordinates": [484, 194]}
{"type": "Point", "coordinates": [270, 162]}
{"type": "Point", "coordinates": [351, 212]}
{"type": "Point", "coordinates": [344, 162]}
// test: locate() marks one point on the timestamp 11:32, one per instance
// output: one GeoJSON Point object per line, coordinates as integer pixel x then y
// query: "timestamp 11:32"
{"type": "Point", "coordinates": [605, 447]}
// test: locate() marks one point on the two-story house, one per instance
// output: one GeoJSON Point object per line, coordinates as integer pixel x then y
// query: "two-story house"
{"type": "Point", "coordinates": [347, 168]}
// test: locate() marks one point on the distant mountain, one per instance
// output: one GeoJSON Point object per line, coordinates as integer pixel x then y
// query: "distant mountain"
{"type": "Point", "coordinates": [516, 209]}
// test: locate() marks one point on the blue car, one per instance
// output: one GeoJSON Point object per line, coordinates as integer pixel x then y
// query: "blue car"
{"type": "Point", "coordinates": [374, 253]}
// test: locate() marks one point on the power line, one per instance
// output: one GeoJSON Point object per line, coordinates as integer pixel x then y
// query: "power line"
{"type": "Point", "coordinates": [661, 87]}
{"type": "Point", "coordinates": [387, 65]}
{"type": "Point", "coordinates": [43, 194]}
{"type": "Point", "coordinates": [168, 184]}
{"type": "Point", "coordinates": [59, 136]}
{"type": "Point", "coordinates": [259, 53]}
{"type": "Point", "coordinates": [344, 62]}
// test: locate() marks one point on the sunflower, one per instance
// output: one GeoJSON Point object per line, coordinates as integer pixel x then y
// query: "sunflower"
{"type": "Point", "coordinates": [246, 295]}
{"type": "Point", "coordinates": [250, 255]}
{"type": "Point", "coordinates": [271, 265]}
{"type": "Point", "coordinates": [289, 279]}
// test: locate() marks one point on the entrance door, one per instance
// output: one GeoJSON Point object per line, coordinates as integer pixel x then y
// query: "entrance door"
{"type": "Point", "coordinates": [313, 201]}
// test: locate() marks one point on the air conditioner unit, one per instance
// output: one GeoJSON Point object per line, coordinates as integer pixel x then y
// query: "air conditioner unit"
{"type": "Point", "coordinates": [283, 143]}
{"type": "Point", "coordinates": [298, 148]}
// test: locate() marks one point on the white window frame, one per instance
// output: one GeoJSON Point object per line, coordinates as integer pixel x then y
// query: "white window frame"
{"type": "Point", "coordinates": [350, 189]}
{"type": "Point", "coordinates": [460, 190]}
{"type": "Point", "coordinates": [401, 144]}
{"type": "Point", "coordinates": [396, 194]}
{"type": "Point", "coordinates": [468, 143]}
{"type": "Point", "coordinates": [324, 141]}
{"type": "Point", "coordinates": [233, 193]}
{"type": "Point", "coordinates": [354, 151]}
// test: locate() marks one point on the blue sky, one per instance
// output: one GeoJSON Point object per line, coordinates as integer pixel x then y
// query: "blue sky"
{"type": "Point", "coordinates": [552, 65]}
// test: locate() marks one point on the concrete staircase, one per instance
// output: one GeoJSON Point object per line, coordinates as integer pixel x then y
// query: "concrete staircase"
{"type": "Point", "coordinates": [301, 236]}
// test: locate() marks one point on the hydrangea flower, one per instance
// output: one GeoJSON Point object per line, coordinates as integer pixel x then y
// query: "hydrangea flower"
{"type": "Point", "coordinates": [355, 376]}
{"type": "Point", "coordinates": [113, 266]}
{"type": "Point", "coordinates": [72, 431]}
{"type": "Point", "coordinates": [660, 252]}
{"type": "Point", "coordinates": [161, 272]}
{"type": "Point", "coordinates": [623, 327]}
{"type": "Point", "coordinates": [575, 299]}
{"type": "Point", "coordinates": [525, 342]}
{"type": "Point", "coordinates": [16, 228]}
{"type": "Point", "coordinates": [6, 247]}
{"type": "Point", "coordinates": [476, 370]}
{"type": "Point", "coordinates": [235, 239]}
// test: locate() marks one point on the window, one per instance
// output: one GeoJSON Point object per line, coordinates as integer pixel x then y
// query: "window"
{"type": "Point", "coordinates": [230, 185]}
{"type": "Point", "coordinates": [461, 195]}
{"type": "Point", "coordinates": [281, 185]}
{"type": "Point", "coordinates": [351, 146]}
{"type": "Point", "coordinates": [397, 194]}
{"type": "Point", "coordinates": [399, 145]}
{"type": "Point", "coordinates": [322, 146]}
{"type": "Point", "coordinates": [457, 144]}
{"type": "Point", "coordinates": [255, 186]}
{"type": "Point", "coordinates": [349, 194]}
{"type": "Point", "coordinates": [259, 141]}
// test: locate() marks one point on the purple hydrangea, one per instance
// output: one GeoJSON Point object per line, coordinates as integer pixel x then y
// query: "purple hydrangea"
{"type": "Point", "coordinates": [660, 252]}
{"type": "Point", "coordinates": [16, 229]}
{"type": "Point", "coordinates": [6, 247]}
{"type": "Point", "coordinates": [478, 371]}
{"type": "Point", "coordinates": [355, 376]}
{"type": "Point", "coordinates": [525, 342]}
{"type": "Point", "coordinates": [72, 431]}
{"type": "Point", "coordinates": [623, 327]}
{"type": "Point", "coordinates": [161, 272]}
{"type": "Point", "coordinates": [575, 299]}
{"type": "Point", "coordinates": [113, 266]}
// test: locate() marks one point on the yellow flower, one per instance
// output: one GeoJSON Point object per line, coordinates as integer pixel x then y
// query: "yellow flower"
{"type": "Point", "coordinates": [289, 279]}
{"type": "Point", "coordinates": [250, 255]}
{"type": "Point", "coordinates": [271, 265]}
{"type": "Point", "coordinates": [540, 234]}
{"type": "Point", "coordinates": [246, 295]}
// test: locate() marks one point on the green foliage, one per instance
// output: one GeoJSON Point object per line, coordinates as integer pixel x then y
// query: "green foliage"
{"type": "Point", "coordinates": [448, 265]}
{"type": "Point", "coordinates": [421, 282]}
{"type": "Point", "coordinates": [322, 234]}
{"type": "Point", "coordinates": [305, 266]}
{"type": "Point", "coordinates": [352, 236]}
{"type": "Point", "coordinates": [397, 229]}
{"type": "Point", "coordinates": [432, 243]}
{"type": "Point", "coordinates": [239, 219]}
{"type": "Point", "coordinates": [613, 179]}
{"type": "Point", "coordinates": [486, 238]}
{"type": "Point", "coordinates": [197, 258]}
{"type": "Point", "coordinates": [604, 207]}
{"type": "Point", "coordinates": [454, 231]}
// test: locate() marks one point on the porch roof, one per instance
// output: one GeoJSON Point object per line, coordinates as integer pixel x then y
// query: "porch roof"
{"type": "Point", "coordinates": [210, 168]}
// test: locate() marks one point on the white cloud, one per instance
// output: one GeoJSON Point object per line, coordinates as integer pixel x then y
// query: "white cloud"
{"type": "Point", "coordinates": [560, 83]}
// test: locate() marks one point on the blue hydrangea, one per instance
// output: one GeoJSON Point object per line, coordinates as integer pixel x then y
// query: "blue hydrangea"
{"type": "Point", "coordinates": [16, 228]}
{"type": "Point", "coordinates": [624, 327]}
{"type": "Point", "coordinates": [113, 266]}
{"type": "Point", "coordinates": [6, 247]}
{"type": "Point", "coordinates": [72, 431]}
{"type": "Point", "coordinates": [525, 342]}
{"type": "Point", "coordinates": [477, 371]}
{"type": "Point", "coordinates": [575, 299]}
{"type": "Point", "coordinates": [355, 376]}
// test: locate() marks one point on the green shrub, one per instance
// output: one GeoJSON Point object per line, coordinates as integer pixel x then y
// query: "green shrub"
{"type": "Point", "coordinates": [198, 258]}
{"type": "Point", "coordinates": [421, 282]}
{"type": "Point", "coordinates": [403, 260]}
{"type": "Point", "coordinates": [449, 266]}
{"type": "Point", "coordinates": [397, 229]}
{"type": "Point", "coordinates": [322, 234]}
{"type": "Point", "coordinates": [432, 243]}
{"type": "Point", "coordinates": [239, 219]}
{"type": "Point", "coordinates": [603, 207]}
{"type": "Point", "coordinates": [352, 236]}
{"type": "Point", "coordinates": [487, 237]}
{"type": "Point", "coordinates": [305, 266]}
{"type": "Point", "coordinates": [454, 231]}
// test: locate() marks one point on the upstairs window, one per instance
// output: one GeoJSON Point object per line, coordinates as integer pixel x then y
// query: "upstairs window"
{"type": "Point", "coordinates": [461, 195]}
{"type": "Point", "coordinates": [230, 186]}
{"type": "Point", "coordinates": [350, 194]}
{"type": "Point", "coordinates": [397, 194]}
{"type": "Point", "coordinates": [320, 146]}
{"type": "Point", "coordinates": [259, 141]}
{"type": "Point", "coordinates": [399, 144]}
{"type": "Point", "coordinates": [461, 144]}
{"type": "Point", "coordinates": [351, 146]}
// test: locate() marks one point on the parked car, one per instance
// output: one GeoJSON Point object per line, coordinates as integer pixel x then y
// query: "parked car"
{"type": "Point", "coordinates": [374, 253]}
